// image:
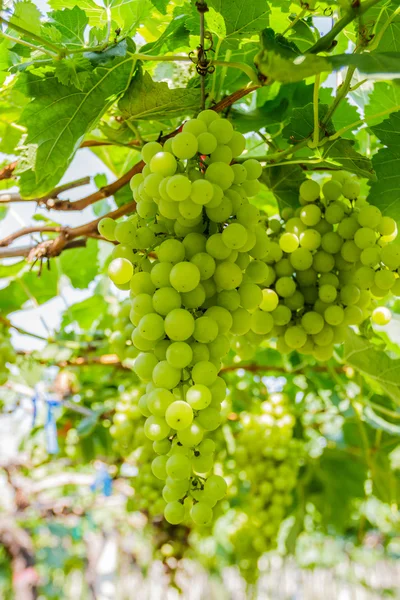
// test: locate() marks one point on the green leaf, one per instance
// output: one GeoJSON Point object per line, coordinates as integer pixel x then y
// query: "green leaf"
{"type": "Point", "coordinates": [85, 313]}
{"type": "Point", "coordinates": [375, 364]}
{"type": "Point", "coordinates": [148, 99]}
{"type": "Point", "coordinates": [385, 96]}
{"type": "Point", "coordinates": [284, 182]}
{"type": "Point", "coordinates": [344, 115]}
{"type": "Point", "coordinates": [80, 264]}
{"type": "Point", "coordinates": [10, 271]}
{"type": "Point", "coordinates": [385, 193]}
{"type": "Point", "coordinates": [242, 19]}
{"type": "Point", "coordinates": [387, 26]}
{"type": "Point", "coordinates": [27, 16]}
{"type": "Point", "coordinates": [301, 125]}
{"type": "Point", "coordinates": [70, 25]}
{"type": "Point", "coordinates": [29, 288]}
{"type": "Point", "coordinates": [342, 153]}
{"type": "Point", "coordinates": [341, 478]}
{"type": "Point", "coordinates": [161, 5]}
{"type": "Point", "coordinates": [175, 35]}
{"type": "Point", "coordinates": [59, 116]}
{"type": "Point", "coordinates": [74, 70]}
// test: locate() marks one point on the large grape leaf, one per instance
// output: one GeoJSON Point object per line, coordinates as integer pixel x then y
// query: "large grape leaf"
{"type": "Point", "coordinates": [148, 99]}
{"type": "Point", "coordinates": [301, 124]}
{"type": "Point", "coordinates": [385, 193]}
{"type": "Point", "coordinates": [387, 26]}
{"type": "Point", "coordinates": [59, 116]}
{"type": "Point", "coordinates": [242, 19]}
{"type": "Point", "coordinates": [384, 96]}
{"type": "Point", "coordinates": [29, 287]}
{"type": "Point", "coordinates": [284, 182]}
{"type": "Point", "coordinates": [342, 153]}
{"type": "Point", "coordinates": [27, 16]}
{"type": "Point", "coordinates": [69, 26]}
{"type": "Point", "coordinates": [375, 364]}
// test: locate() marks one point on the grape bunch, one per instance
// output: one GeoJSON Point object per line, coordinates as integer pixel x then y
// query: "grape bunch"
{"type": "Point", "coordinates": [7, 353]}
{"type": "Point", "coordinates": [190, 257]}
{"type": "Point", "coordinates": [330, 264]}
{"type": "Point", "coordinates": [120, 337]}
{"type": "Point", "coordinates": [267, 460]}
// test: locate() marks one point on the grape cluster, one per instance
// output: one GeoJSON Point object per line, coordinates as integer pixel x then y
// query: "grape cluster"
{"type": "Point", "coordinates": [191, 259]}
{"type": "Point", "coordinates": [330, 263]}
{"type": "Point", "coordinates": [267, 460]}
{"type": "Point", "coordinates": [7, 353]}
{"type": "Point", "coordinates": [120, 337]}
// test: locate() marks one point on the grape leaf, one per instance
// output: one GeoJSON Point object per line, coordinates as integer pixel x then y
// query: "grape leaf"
{"type": "Point", "coordinates": [85, 313]}
{"type": "Point", "coordinates": [148, 99]}
{"type": "Point", "coordinates": [284, 182]}
{"type": "Point", "coordinates": [387, 27]}
{"type": "Point", "coordinates": [161, 5]}
{"type": "Point", "coordinates": [385, 193]}
{"type": "Point", "coordinates": [360, 354]}
{"type": "Point", "coordinates": [174, 36]}
{"type": "Point", "coordinates": [301, 124]}
{"type": "Point", "coordinates": [28, 287]}
{"type": "Point", "coordinates": [59, 116]}
{"type": "Point", "coordinates": [80, 264]}
{"type": "Point", "coordinates": [385, 95]}
{"type": "Point", "coordinates": [70, 24]}
{"type": "Point", "coordinates": [241, 18]}
{"type": "Point", "coordinates": [342, 152]}
{"type": "Point", "coordinates": [95, 12]}
{"type": "Point", "coordinates": [74, 70]}
{"type": "Point", "coordinates": [27, 16]}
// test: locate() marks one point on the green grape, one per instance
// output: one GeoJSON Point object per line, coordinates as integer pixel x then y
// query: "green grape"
{"type": "Point", "coordinates": [202, 463]}
{"type": "Point", "coordinates": [386, 226]}
{"type": "Point", "coordinates": [158, 401]}
{"type": "Point", "coordinates": [165, 300]}
{"type": "Point", "coordinates": [369, 216]}
{"type": "Point", "coordinates": [288, 242]}
{"type": "Point", "coordinates": [179, 355]}
{"type": "Point", "coordinates": [184, 277]}
{"type": "Point", "coordinates": [106, 228]}
{"type": "Point", "coordinates": [163, 163]}
{"type": "Point", "coordinates": [202, 192]}
{"type": "Point", "coordinates": [323, 262]}
{"type": "Point", "coordinates": [381, 315]}
{"type": "Point", "coordinates": [166, 376]}
{"type": "Point", "coordinates": [295, 337]}
{"type": "Point", "coordinates": [220, 174]}
{"type": "Point", "coordinates": [179, 188]}
{"type": "Point", "coordinates": [144, 365]}
{"type": "Point", "coordinates": [253, 168]}
{"type": "Point", "coordinates": [332, 190]}
{"type": "Point", "coordinates": [156, 428]}
{"type": "Point", "coordinates": [261, 322]}
{"type": "Point", "coordinates": [184, 145]}
{"type": "Point", "coordinates": [204, 372]}
{"type": "Point", "coordinates": [270, 300]}
{"type": "Point", "coordinates": [310, 190]}
{"type": "Point", "coordinates": [205, 263]}
{"type": "Point", "coordinates": [331, 242]}
{"type": "Point", "coordinates": [191, 436]}
{"type": "Point", "coordinates": [209, 418]}
{"type": "Point", "coordinates": [179, 467]}
{"type": "Point", "coordinates": [310, 215]}
{"type": "Point", "coordinates": [312, 322]}
{"type": "Point", "coordinates": [216, 247]}
{"type": "Point", "coordinates": [207, 143]}
{"type": "Point", "coordinates": [149, 150]}
{"type": "Point", "coordinates": [327, 293]}
{"type": "Point", "coordinates": [194, 126]}
{"type": "Point", "coordinates": [171, 251]}
{"type": "Point", "coordinates": [205, 330]}
{"type": "Point", "coordinates": [222, 129]}
{"type": "Point", "coordinates": [220, 213]}
{"type": "Point", "coordinates": [195, 298]}
{"type": "Point", "coordinates": [301, 259]}
{"type": "Point", "coordinates": [390, 256]}
{"type": "Point", "coordinates": [351, 189]}
{"type": "Point", "coordinates": [222, 153]}
{"type": "Point", "coordinates": [201, 513]}
{"type": "Point", "coordinates": [285, 286]}
{"type": "Point", "coordinates": [158, 466]}
{"type": "Point", "coordinates": [365, 238]}
{"type": "Point", "coordinates": [228, 276]}
{"type": "Point", "coordinates": [349, 294]}
{"type": "Point", "coordinates": [234, 235]}
{"type": "Point", "coordinates": [151, 326]}
{"type": "Point", "coordinates": [120, 271]}
{"type": "Point", "coordinates": [334, 315]}
{"type": "Point", "coordinates": [174, 512]}
{"type": "Point", "coordinates": [384, 279]}
{"type": "Point", "coordinates": [334, 213]}
{"type": "Point", "coordinates": [179, 415]}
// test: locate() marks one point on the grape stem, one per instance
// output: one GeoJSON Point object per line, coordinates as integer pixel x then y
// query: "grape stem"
{"type": "Point", "coordinates": [316, 111]}
{"type": "Point", "coordinates": [52, 50]}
